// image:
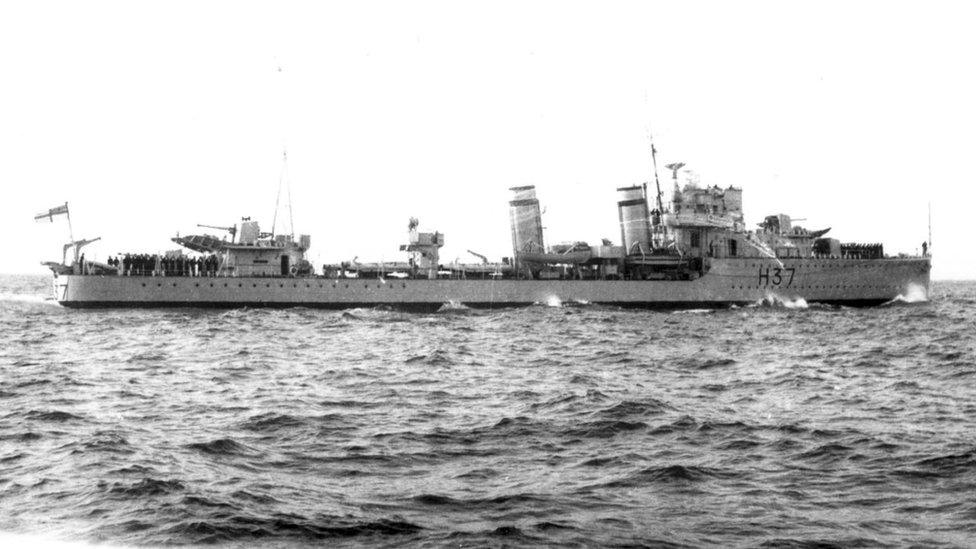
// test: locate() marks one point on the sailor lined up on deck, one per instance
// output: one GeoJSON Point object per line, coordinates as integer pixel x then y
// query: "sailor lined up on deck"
{"type": "Point", "coordinates": [156, 265]}
{"type": "Point", "coordinates": [138, 264]}
{"type": "Point", "coordinates": [190, 266]}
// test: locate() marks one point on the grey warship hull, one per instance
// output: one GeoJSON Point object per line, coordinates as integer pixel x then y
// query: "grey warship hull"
{"type": "Point", "coordinates": [729, 281]}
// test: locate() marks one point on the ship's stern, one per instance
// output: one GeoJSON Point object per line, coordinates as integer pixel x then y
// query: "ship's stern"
{"type": "Point", "coordinates": [59, 287]}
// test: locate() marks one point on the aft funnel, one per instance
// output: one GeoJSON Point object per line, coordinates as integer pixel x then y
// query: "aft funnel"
{"type": "Point", "coordinates": [526, 221]}
{"type": "Point", "coordinates": [635, 227]}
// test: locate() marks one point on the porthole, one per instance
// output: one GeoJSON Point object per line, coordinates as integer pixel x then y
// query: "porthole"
{"type": "Point", "coordinates": [254, 285]}
{"type": "Point", "coordinates": [174, 284]}
{"type": "Point", "coordinates": [143, 284]}
{"type": "Point", "coordinates": [197, 284]}
{"type": "Point", "coordinates": [158, 285]}
{"type": "Point", "coordinates": [211, 285]}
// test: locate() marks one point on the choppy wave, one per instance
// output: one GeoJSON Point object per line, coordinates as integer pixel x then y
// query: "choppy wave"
{"type": "Point", "coordinates": [778, 424]}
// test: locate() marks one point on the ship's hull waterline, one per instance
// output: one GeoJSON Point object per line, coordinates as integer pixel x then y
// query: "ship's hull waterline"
{"type": "Point", "coordinates": [855, 282]}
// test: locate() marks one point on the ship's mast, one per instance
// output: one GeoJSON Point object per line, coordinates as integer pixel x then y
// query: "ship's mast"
{"type": "Point", "coordinates": [283, 181]}
{"type": "Point", "coordinates": [291, 214]}
{"type": "Point", "coordinates": [930, 229]}
{"type": "Point", "coordinates": [660, 226]}
{"type": "Point", "coordinates": [674, 171]}
{"type": "Point", "coordinates": [657, 183]}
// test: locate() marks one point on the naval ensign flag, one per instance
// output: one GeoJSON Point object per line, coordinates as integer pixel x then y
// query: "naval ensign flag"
{"type": "Point", "coordinates": [51, 213]}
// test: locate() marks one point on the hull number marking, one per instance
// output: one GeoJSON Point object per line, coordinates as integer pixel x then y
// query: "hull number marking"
{"type": "Point", "coordinates": [776, 277]}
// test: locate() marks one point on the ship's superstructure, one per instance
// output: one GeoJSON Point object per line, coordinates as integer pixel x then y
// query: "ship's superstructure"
{"type": "Point", "coordinates": [254, 253]}
{"type": "Point", "coordinates": [694, 252]}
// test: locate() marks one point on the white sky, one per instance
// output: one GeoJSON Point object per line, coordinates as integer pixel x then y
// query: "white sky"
{"type": "Point", "coordinates": [151, 117]}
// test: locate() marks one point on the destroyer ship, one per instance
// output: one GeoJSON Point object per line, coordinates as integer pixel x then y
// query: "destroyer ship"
{"type": "Point", "coordinates": [694, 252]}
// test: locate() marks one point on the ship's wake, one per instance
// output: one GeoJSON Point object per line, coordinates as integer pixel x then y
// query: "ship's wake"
{"type": "Point", "coordinates": [774, 301]}
{"type": "Point", "coordinates": [557, 302]}
{"type": "Point", "coordinates": [33, 299]}
{"type": "Point", "coordinates": [380, 313]}
{"type": "Point", "coordinates": [454, 307]}
{"type": "Point", "coordinates": [40, 540]}
{"type": "Point", "coordinates": [915, 293]}
{"type": "Point", "coordinates": [693, 311]}
{"type": "Point", "coordinates": [551, 301]}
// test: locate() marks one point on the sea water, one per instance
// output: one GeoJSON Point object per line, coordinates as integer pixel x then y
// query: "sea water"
{"type": "Point", "coordinates": [562, 423]}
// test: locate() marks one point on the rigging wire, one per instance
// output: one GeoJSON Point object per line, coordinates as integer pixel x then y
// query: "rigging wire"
{"type": "Point", "coordinates": [274, 217]}
{"type": "Point", "coordinates": [283, 181]}
{"type": "Point", "coordinates": [291, 215]}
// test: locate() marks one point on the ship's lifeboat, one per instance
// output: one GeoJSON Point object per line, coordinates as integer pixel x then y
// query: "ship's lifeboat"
{"type": "Point", "coordinates": [204, 243]}
{"type": "Point", "coordinates": [567, 258]}
{"type": "Point", "coordinates": [58, 268]}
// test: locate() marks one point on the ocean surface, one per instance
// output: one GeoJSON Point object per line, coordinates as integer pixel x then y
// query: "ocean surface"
{"type": "Point", "coordinates": [773, 425]}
